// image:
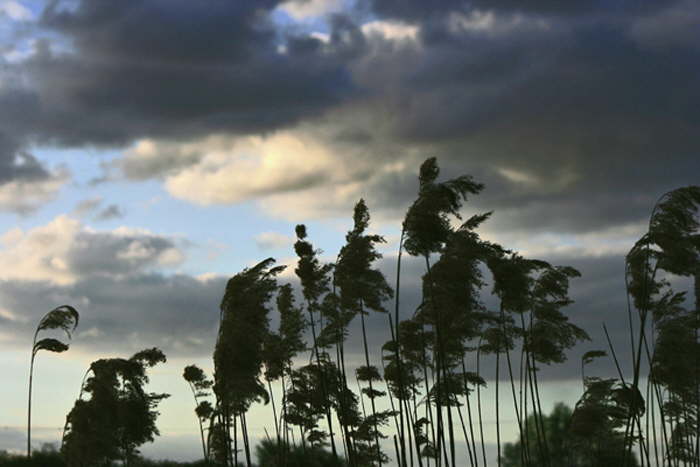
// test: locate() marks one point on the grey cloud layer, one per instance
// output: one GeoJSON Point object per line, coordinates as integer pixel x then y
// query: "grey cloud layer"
{"type": "Point", "coordinates": [118, 280]}
{"type": "Point", "coordinates": [177, 313]}
{"type": "Point", "coordinates": [415, 10]}
{"type": "Point", "coordinates": [112, 211]}
{"type": "Point", "coordinates": [598, 122]}
{"type": "Point", "coordinates": [117, 255]}
{"type": "Point", "coordinates": [155, 68]}
{"type": "Point", "coordinates": [586, 108]}
{"type": "Point", "coordinates": [106, 73]}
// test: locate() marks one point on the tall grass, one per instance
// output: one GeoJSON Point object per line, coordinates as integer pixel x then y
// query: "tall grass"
{"type": "Point", "coordinates": [433, 374]}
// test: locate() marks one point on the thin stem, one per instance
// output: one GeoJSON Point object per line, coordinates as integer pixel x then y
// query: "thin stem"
{"type": "Point", "coordinates": [512, 386]}
{"type": "Point", "coordinates": [246, 440]}
{"type": "Point", "coordinates": [235, 441]}
{"type": "Point", "coordinates": [274, 414]}
{"type": "Point", "coordinates": [402, 434]}
{"type": "Point", "coordinates": [466, 436]}
{"type": "Point", "coordinates": [29, 398]}
{"type": "Point", "coordinates": [498, 419]}
{"type": "Point", "coordinates": [201, 427]}
{"type": "Point", "coordinates": [469, 412]}
{"type": "Point", "coordinates": [323, 380]}
{"type": "Point", "coordinates": [439, 355]}
{"type": "Point", "coordinates": [29, 406]}
{"type": "Point", "coordinates": [371, 389]}
{"type": "Point", "coordinates": [478, 403]}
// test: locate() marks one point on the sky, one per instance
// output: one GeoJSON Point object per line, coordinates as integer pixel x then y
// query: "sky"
{"type": "Point", "coordinates": [150, 149]}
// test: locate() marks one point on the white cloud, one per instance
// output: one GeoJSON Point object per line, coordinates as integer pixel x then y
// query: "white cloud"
{"type": "Point", "coordinates": [475, 21]}
{"type": "Point", "coordinates": [315, 170]}
{"type": "Point", "coordinates": [488, 22]}
{"type": "Point", "coordinates": [208, 276]}
{"type": "Point", "coordinates": [322, 36]}
{"type": "Point", "coordinates": [565, 177]}
{"type": "Point", "coordinates": [273, 240]}
{"type": "Point", "coordinates": [10, 316]}
{"type": "Point", "coordinates": [39, 254]}
{"type": "Point", "coordinates": [613, 241]}
{"type": "Point", "coordinates": [304, 9]}
{"type": "Point", "coordinates": [25, 196]}
{"type": "Point", "coordinates": [238, 169]}
{"type": "Point", "coordinates": [63, 251]}
{"type": "Point", "coordinates": [517, 176]}
{"type": "Point", "coordinates": [391, 30]}
{"type": "Point", "coordinates": [16, 11]}
{"type": "Point", "coordinates": [170, 257]}
{"type": "Point", "coordinates": [135, 251]}
{"type": "Point", "coordinates": [92, 332]}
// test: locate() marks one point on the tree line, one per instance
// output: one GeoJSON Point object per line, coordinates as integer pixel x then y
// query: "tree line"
{"type": "Point", "coordinates": [430, 370]}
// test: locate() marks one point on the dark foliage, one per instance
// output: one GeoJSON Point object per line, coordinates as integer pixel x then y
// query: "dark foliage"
{"type": "Point", "coordinates": [565, 444]}
{"type": "Point", "coordinates": [268, 455]}
{"type": "Point", "coordinates": [119, 415]}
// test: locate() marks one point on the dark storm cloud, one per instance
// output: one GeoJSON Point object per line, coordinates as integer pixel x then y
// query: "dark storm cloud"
{"type": "Point", "coordinates": [179, 29]}
{"type": "Point", "coordinates": [416, 10]}
{"type": "Point", "coordinates": [177, 69]}
{"type": "Point", "coordinates": [154, 68]}
{"type": "Point", "coordinates": [16, 163]}
{"type": "Point", "coordinates": [116, 103]}
{"type": "Point", "coordinates": [584, 114]}
{"type": "Point", "coordinates": [560, 108]}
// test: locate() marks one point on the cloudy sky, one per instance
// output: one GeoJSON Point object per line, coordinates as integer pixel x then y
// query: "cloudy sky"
{"type": "Point", "coordinates": [149, 149]}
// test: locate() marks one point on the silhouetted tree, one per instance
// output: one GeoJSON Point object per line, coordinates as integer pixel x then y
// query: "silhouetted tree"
{"type": "Point", "coordinates": [118, 417]}
{"type": "Point", "coordinates": [564, 435]}
{"type": "Point", "coordinates": [596, 431]}
{"type": "Point", "coordinates": [65, 318]}
{"type": "Point", "coordinates": [268, 455]}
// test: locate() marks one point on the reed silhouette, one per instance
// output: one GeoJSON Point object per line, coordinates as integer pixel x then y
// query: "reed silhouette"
{"type": "Point", "coordinates": [66, 319]}
{"type": "Point", "coordinates": [432, 370]}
